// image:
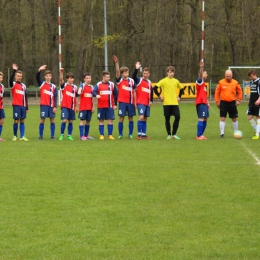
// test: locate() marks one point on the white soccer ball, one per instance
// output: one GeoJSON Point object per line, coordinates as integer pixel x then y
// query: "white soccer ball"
{"type": "Point", "coordinates": [238, 134]}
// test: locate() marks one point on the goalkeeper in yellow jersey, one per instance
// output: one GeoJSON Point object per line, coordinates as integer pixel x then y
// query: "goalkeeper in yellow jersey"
{"type": "Point", "coordinates": [170, 98]}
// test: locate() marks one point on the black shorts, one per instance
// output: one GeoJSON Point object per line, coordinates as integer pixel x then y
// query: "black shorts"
{"type": "Point", "coordinates": [253, 111]}
{"type": "Point", "coordinates": [171, 110]}
{"type": "Point", "coordinates": [228, 107]}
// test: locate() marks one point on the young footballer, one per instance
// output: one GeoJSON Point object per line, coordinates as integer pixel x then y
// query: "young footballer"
{"type": "Point", "coordinates": [169, 86]}
{"type": "Point", "coordinates": [19, 103]}
{"type": "Point", "coordinates": [144, 99]}
{"type": "Point", "coordinates": [48, 101]}
{"type": "Point", "coordinates": [2, 112]}
{"type": "Point", "coordinates": [106, 93]}
{"type": "Point", "coordinates": [202, 104]}
{"type": "Point", "coordinates": [86, 107]}
{"type": "Point", "coordinates": [126, 98]}
{"type": "Point", "coordinates": [254, 103]}
{"type": "Point", "coordinates": [68, 103]}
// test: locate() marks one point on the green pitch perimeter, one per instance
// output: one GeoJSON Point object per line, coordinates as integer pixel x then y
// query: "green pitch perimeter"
{"type": "Point", "coordinates": [130, 199]}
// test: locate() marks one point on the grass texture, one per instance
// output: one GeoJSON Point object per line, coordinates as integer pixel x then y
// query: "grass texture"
{"type": "Point", "coordinates": [130, 199]}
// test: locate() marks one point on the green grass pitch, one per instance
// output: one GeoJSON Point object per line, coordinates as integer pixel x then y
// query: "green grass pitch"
{"type": "Point", "coordinates": [130, 199]}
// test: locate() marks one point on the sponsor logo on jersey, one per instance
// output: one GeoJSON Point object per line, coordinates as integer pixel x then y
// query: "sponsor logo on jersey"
{"type": "Point", "coordinates": [19, 92]}
{"type": "Point", "coordinates": [47, 92]}
{"type": "Point", "coordinates": [147, 90]}
{"type": "Point", "coordinates": [127, 88]}
{"type": "Point", "coordinates": [70, 94]}
{"type": "Point", "coordinates": [88, 95]}
{"type": "Point", "coordinates": [105, 92]}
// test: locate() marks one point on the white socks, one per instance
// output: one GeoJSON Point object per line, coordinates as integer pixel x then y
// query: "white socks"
{"type": "Point", "coordinates": [257, 127]}
{"type": "Point", "coordinates": [222, 127]}
{"type": "Point", "coordinates": [235, 126]}
{"type": "Point", "coordinates": [253, 123]}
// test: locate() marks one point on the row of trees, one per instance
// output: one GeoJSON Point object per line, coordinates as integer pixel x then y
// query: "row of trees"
{"type": "Point", "coordinates": [158, 33]}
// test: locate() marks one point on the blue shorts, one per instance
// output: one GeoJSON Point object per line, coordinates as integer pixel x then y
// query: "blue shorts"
{"type": "Point", "coordinates": [67, 113]}
{"type": "Point", "coordinates": [19, 112]}
{"type": "Point", "coordinates": [2, 113]}
{"type": "Point", "coordinates": [126, 109]}
{"type": "Point", "coordinates": [202, 111]}
{"type": "Point", "coordinates": [85, 115]}
{"type": "Point", "coordinates": [46, 112]}
{"type": "Point", "coordinates": [143, 110]}
{"type": "Point", "coordinates": [106, 113]}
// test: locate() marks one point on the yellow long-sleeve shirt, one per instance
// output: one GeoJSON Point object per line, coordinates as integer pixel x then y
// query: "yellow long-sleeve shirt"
{"type": "Point", "coordinates": [228, 91]}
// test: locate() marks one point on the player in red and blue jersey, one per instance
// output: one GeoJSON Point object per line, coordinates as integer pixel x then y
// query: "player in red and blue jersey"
{"type": "Point", "coordinates": [202, 104]}
{"type": "Point", "coordinates": [86, 106]}
{"type": "Point", "coordinates": [19, 102]}
{"type": "Point", "coordinates": [2, 111]}
{"type": "Point", "coordinates": [144, 99]}
{"type": "Point", "coordinates": [126, 98]}
{"type": "Point", "coordinates": [68, 103]}
{"type": "Point", "coordinates": [48, 101]}
{"type": "Point", "coordinates": [106, 93]}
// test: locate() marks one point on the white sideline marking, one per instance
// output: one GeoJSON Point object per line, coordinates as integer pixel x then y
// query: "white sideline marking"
{"type": "Point", "coordinates": [247, 149]}
{"type": "Point", "coordinates": [252, 154]}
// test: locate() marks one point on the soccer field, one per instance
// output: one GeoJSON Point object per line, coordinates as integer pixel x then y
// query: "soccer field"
{"type": "Point", "coordinates": [130, 199]}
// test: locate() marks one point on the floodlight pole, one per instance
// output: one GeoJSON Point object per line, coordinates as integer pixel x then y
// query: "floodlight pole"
{"type": "Point", "coordinates": [202, 30]}
{"type": "Point", "coordinates": [105, 33]}
{"type": "Point", "coordinates": [59, 25]}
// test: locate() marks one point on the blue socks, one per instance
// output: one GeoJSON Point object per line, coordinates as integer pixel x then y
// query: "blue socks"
{"type": "Point", "coordinates": [41, 128]}
{"type": "Point", "coordinates": [120, 128]}
{"type": "Point", "coordinates": [101, 129]}
{"type": "Point", "coordinates": [110, 129]}
{"type": "Point", "coordinates": [200, 128]}
{"type": "Point", "coordinates": [52, 129]}
{"type": "Point", "coordinates": [139, 127]}
{"type": "Point", "coordinates": [62, 128]}
{"type": "Point", "coordinates": [81, 130]}
{"type": "Point", "coordinates": [1, 127]}
{"type": "Point", "coordinates": [204, 125]}
{"type": "Point", "coordinates": [22, 130]}
{"type": "Point", "coordinates": [131, 127]}
{"type": "Point", "coordinates": [70, 128]}
{"type": "Point", "coordinates": [87, 130]}
{"type": "Point", "coordinates": [15, 129]}
{"type": "Point", "coordinates": [144, 126]}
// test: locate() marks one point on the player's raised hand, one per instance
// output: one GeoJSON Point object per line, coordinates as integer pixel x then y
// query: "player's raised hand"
{"type": "Point", "coordinates": [115, 58]}
{"type": "Point", "coordinates": [138, 65]}
{"type": "Point", "coordinates": [15, 66]}
{"type": "Point", "coordinates": [43, 67]}
{"type": "Point", "coordinates": [61, 69]}
{"type": "Point", "coordinates": [201, 64]}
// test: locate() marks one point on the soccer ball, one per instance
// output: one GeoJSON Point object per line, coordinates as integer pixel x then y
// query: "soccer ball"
{"type": "Point", "coordinates": [238, 135]}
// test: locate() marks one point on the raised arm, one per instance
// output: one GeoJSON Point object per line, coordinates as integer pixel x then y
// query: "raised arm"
{"type": "Point", "coordinates": [117, 66]}
{"type": "Point", "coordinates": [201, 69]}
{"type": "Point", "coordinates": [38, 75]}
{"type": "Point", "coordinates": [137, 67]}
{"type": "Point", "coordinates": [61, 76]}
{"type": "Point", "coordinates": [11, 81]}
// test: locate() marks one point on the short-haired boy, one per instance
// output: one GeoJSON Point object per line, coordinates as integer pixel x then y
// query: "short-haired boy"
{"type": "Point", "coordinates": [86, 107]}
{"type": "Point", "coordinates": [68, 103]}
{"type": "Point", "coordinates": [48, 101]}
